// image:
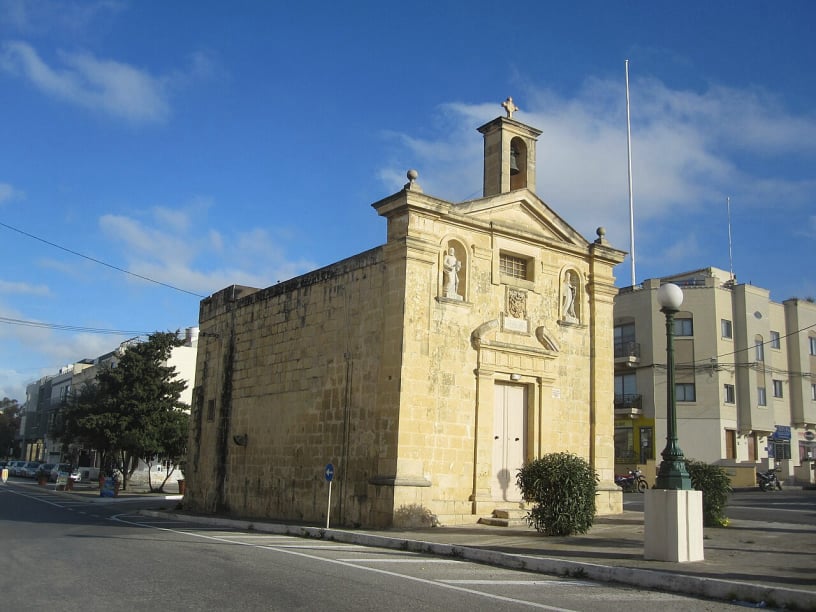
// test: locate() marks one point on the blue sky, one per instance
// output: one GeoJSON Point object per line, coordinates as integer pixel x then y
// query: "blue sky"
{"type": "Point", "coordinates": [201, 144]}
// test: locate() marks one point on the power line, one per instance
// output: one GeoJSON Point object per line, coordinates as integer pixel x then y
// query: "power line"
{"type": "Point", "coordinates": [100, 262]}
{"type": "Point", "coordinates": [74, 328]}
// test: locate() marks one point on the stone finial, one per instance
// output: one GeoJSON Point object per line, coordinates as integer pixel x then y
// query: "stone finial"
{"type": "Point", "coordinates": [412, 185]}
{"type": "Point", "coordinates": [510, 107]}
{"type": "Point", "coordinates": [601, 231]}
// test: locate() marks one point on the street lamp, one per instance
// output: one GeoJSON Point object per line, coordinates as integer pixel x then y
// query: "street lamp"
{"type": "Point", "coordinates": [672, 474]}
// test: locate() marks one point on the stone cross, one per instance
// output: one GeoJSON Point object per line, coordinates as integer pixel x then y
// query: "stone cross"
{"type": "Point", "coordinates": [510, 107]}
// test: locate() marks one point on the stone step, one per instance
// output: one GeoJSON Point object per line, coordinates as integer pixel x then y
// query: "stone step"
{"type": "Point", "coordinates": [509, 513]}
{"type": "Point", "coordinates": [505, 517]}
{"type": "Point", "coordinates": [502, 522]}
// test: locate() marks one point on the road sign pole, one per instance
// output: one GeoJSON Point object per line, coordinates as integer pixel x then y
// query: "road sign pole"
{"type": "Point", "coordinates": [328, 510]}
{"type": "Point", "coordinates": [329, 474]}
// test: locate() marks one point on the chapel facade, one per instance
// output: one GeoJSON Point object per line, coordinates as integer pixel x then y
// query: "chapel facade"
{"type": "Point", "coordinates": [426, 371]}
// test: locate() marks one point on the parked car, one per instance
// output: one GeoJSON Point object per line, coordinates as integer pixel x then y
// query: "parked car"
{"type": "Point", "coordinates": [30, 469]}
{"type": "Point", "coordinates": [15, 466]}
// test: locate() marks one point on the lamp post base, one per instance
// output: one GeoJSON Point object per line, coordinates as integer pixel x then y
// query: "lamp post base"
{"type": "Point", "coordinates": [673, 525]}
{"type": "Point", "coordinates": [673, 475]}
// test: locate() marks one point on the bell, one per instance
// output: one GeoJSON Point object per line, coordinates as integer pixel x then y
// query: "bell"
{"type": "Point", "coordinates": [514, 169]}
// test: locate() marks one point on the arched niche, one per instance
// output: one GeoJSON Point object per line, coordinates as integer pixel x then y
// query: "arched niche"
{"type": "Point", "coordinates": [453, 270]}
{"type": "Point", "coordinates": [518, 163]}
{"type": "Point", "coordinates": [570, 297]}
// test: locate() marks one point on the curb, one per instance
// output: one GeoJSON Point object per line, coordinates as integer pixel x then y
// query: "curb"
{"type": "Point", "coordinates": [712, 588]}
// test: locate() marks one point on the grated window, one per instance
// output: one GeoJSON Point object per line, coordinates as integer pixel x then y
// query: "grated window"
{"type": "Point", "coordinates": [513, 266]}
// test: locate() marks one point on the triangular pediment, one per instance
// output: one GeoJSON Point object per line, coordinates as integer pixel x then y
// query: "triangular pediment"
{"type": "Point", "coordinates": [524, 212]}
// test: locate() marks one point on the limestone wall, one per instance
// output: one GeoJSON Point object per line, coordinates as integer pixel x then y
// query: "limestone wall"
{"type": "Point", "coordinates": [295, 368]}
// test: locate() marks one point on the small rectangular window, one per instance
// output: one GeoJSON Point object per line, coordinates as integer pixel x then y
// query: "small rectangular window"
{"type": "Point", "coordinates": [813, 391]}
{"type": "Point", "coordinates": [762, 399]}
{"type": "Point", "coordinates": [812, 345]}
{"type": "Point", "coordinates": [726, 329]}
{"type": "Point", "coordinates": [760, 349]}
{"type": "Point", "coordinates": [685, 392]}
{"type": "Point", "coordinates": [211, 410]}
{"type": "Point", "coordinates": [683, 327]}
{"type": "Point", "coordinates": [777, 387]}
{"type": "Point", "coordinates": [728, 394]}
{"type": "Point", "coordinates": [775, 342]}
{"type": "Point", "coordinates": [510, 265]}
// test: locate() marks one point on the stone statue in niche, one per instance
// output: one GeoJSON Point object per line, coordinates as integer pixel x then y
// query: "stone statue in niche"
{"type": "Point", "coordinates": [517, 304]}
{"type": "Point", "coordinates": [450, 275]}
{"type": "Point", "coordinates": [568, 294]}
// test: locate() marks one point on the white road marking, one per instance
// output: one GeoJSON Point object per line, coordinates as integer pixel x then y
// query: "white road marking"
{"type": "Point", "coordinates": [522, 582]}
{"type": "Point", "coordinates": [290, 551]}
{"type": "Point", "coordinates": [381, 560]}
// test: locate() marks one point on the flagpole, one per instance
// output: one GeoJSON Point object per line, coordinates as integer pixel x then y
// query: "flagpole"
{"type": "Point", "coordinates": [730, 254]}
{"type": "Point", "coordinates": [631, 199]}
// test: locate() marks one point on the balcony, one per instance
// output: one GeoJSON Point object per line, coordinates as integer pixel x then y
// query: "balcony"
{"type": "Point", "coordinates": [629, 406]}
{"type": "Point", "coordinates": [627, 353]}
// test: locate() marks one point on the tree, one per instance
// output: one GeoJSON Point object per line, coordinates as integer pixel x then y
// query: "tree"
{"type": "Point", "coordinates": [125, 412]}
{"type": "Point", "coordinates": [168, 442]}
{"type": "Point", "coordinates": [9, 424]}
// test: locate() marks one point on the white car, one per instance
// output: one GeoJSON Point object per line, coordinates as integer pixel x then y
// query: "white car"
{"type": "Point", "coordinates": [64, 468]}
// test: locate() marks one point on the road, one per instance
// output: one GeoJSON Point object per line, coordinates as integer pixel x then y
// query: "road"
{"type": "Point", "coordinates": [65, 553]}
{"type": "Point", "coordinates": [794, 506]}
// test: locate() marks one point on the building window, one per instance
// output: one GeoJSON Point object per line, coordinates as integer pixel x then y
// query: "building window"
{"type": "Point", "coordinates": [726, 329]}
{"type": "Point", "coordinates": [683, 327]}
{"type": "Point", "coordinates": [777, 387]}
{"type": "Point", "coordinates": [211, 410]}
{"type": "Point", "coordinates": [812, 345]}
{"type": "Point", "coordinates": [759, 348]}
{"type": "Point", "coordinates": [513, 266]}
{"type": "Point", "coordinates": [728, 394]}
{"type": "Point", "coordinates": [624, 443]}
{"type": "Point", "coordinates": [813, 391]}
{"type": "Point", "coordinates": [762, 399]}
{"type": "Point", "coordinates": [775, 342]}
{"type": "Point", "coordinates": [779, 449]}
{"type": "Point", "coordinates": [684, 392]}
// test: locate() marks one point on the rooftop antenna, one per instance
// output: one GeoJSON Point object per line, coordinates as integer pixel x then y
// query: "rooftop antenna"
{"type": "Point", "coordinates": [631, 200]}
{"type": "Point", "coordinates": [730, 254]}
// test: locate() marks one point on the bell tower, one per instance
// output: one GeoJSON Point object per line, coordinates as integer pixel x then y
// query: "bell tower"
{"type": "Point", "coordinates": [509, 153]}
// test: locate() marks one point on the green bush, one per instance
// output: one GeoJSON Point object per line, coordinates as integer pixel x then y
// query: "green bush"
{"type": "Point", "coordinates": [562, 488]}
{"type": "Point", "coordinates": [716, 487]}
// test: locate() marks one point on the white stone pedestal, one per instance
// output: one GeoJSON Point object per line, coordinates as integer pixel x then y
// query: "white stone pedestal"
{"type": "Point", "coordinates": [673, 522]}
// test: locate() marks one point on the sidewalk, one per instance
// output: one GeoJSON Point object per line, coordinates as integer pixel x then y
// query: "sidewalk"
{"type": "Point", "coordinates": [749, 561]}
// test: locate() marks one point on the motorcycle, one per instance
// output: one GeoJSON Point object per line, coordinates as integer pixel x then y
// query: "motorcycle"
{"type": "Point", "coordinates": [633, 482]}
{"type": "Point", "coordinates": [768, 481]}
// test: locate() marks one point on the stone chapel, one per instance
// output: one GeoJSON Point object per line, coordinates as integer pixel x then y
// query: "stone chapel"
{"type": "Point", "coordinates": [426, 371]}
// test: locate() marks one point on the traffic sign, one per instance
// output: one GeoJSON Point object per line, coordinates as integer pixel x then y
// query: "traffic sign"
{"type": "Point", "coordinates": [329, 473]}
{"type": "Point", "coordinates": [809, 436]}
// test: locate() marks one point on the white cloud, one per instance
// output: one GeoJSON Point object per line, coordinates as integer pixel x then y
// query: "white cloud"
{"type": "Point", "coordinates": [8, 192]}
{"type": "Point", "coordinates": [112, 87]}
{"type": "Point", "coordinates": [18, 288]}
{"type": "Point", "coordinates": [45, 16]}
{"type": "Point", "coordinates": [180, 253]}
{"type": "Point", "coordinates": [689, 150]}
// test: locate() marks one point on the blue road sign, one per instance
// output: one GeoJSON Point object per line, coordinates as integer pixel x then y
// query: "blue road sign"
{"type": "Point", "coordinates": [329, 473]}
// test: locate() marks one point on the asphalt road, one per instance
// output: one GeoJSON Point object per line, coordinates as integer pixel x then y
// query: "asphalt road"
{"type": "Point", "coordinates": [63, 553]}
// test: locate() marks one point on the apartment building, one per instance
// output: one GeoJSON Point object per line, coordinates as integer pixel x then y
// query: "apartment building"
{"type": "Point", "coordinates": [46, 396]}
{"type": "Point", "coordinates": [744, 385]}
